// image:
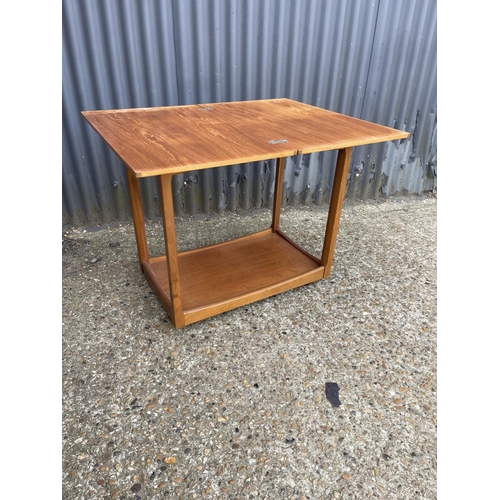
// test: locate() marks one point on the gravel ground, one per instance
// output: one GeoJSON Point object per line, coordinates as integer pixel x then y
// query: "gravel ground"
{"type": "Point", "coordinates": [235, 406]}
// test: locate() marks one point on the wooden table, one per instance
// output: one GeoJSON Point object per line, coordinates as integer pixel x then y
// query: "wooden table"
{"type": "Point", "coordinates": [164, 141]}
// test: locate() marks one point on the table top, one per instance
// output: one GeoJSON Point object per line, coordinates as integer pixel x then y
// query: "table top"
{"type": "Point", "coordinates": [174, 139]}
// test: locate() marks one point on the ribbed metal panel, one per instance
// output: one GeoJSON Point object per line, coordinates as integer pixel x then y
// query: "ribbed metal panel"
{"type": "Point", "coordinates": [400, 92]}
{"type": "Point", "coordinates": [371, 59]}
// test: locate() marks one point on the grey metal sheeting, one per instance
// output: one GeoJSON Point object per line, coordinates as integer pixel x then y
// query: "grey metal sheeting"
{"type": "Point", "coordinates": [375, 60]}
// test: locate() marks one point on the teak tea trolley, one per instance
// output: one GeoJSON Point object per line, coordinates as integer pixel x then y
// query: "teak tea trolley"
{"type": "Point", "coordinates": [164, 141]}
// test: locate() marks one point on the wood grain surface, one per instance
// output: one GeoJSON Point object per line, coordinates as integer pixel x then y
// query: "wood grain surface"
{"type": "Point", "coordinates": [173, 139]}
{"type": "Point", "coordinates": [250, 266]}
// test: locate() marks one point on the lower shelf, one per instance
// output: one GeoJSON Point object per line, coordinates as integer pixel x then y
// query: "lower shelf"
{"type": "Point", "coordinates": [221, 277]}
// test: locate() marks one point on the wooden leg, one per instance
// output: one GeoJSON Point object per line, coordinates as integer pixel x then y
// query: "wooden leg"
{"type": "Point", "coordinates": [138, 216]}
{"type": "Point", "coordinates": [337, 198]}
{"type": "Point", "coordinates": [177, 314]}
{"type": "Point", "coordinates": [278, 193]}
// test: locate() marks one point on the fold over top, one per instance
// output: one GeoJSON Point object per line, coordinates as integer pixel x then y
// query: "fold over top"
{"type": "Point", "coordinates": [173, 139]}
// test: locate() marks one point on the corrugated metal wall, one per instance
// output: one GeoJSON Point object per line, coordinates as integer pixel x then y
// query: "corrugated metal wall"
{"type": "Point", "coordinates": [374, 60]}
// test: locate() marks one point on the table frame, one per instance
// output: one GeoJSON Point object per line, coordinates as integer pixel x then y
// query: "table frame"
{"type": "Point", "coordinates": [164, 141]}
{"type": "Point", "coordinates": [167, 283]}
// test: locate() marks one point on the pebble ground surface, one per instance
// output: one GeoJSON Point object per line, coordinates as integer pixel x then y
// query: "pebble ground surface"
{"type": "Point", "coordinates": [234, 407]}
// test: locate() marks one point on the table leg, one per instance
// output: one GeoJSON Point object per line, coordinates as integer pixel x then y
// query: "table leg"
{"type": "Point", "coordinates": [337, 198]}
{"type": "Point", "coordinates": [177, 314]}
{"type": "Point", "coordinates": [138, 217]}
{"type": "Point", "coordinates": [278, 192]}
